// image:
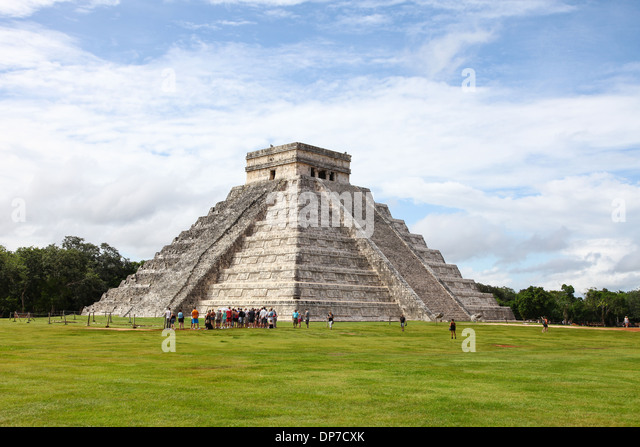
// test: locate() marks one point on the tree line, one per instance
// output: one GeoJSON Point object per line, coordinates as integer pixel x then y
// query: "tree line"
{"type": "Point", "coordinates": [56, 278]}
{"type": "Point", "coordinates": [602, 307]}
{"type": "Point", "coordinates": [77, 273]}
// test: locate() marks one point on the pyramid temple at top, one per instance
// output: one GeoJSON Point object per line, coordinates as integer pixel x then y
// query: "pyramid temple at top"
{"type": "Point", "coordinates": [298, 235]}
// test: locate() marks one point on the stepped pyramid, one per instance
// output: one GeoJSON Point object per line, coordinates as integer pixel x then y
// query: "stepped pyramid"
{"type": "Point", "coordinates": [298, 235]}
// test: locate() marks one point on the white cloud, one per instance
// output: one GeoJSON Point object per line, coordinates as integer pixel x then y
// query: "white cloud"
{"type": "Point", "coordinates": [107, 152]}
{"type": "Point", "coordinates": [567, 232]}
{"type": "Point", "coordinates": [448, 53]}
{"type": "Point", "coordinates": [25, 8]}
{"type": "Point", "coordinates": [260, 2]}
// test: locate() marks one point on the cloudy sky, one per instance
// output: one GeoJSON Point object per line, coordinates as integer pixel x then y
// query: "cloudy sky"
{"type": "Point", "coordinates": [506, 133]}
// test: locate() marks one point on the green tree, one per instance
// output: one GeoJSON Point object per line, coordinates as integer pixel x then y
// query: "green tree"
{"type": "Point", "coordinates": [633, 304]}
{"type": "Point", "coordinates": [111, 267]}
{"type": "Point", "coordinates": [55, 278]}
{"type": "Point", "coordinates": [12, 272]}
{"type": "Point", "coordinates": [608, 307]}
{"type": "Point", "coordinates": [565, 300]}
{"type": "Point", "coordinates": [29, 289]}
{"type": "Point", "coordinates": [534, 302]}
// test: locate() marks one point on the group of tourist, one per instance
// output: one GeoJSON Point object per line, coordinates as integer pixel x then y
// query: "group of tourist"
{"type": "Point", "coordinates": [228, 318]}
{"type": "Point", "coordinates": [262, 318]}
{"type": "Point", "coordinates": [241, 318]}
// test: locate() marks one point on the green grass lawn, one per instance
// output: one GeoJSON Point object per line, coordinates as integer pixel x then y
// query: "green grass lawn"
{"type": "Point", "coordinates": [356, 375]}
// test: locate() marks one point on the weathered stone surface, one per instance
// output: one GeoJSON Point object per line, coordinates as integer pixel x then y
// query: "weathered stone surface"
{"type": "Point", "coordinates": [283, 240]}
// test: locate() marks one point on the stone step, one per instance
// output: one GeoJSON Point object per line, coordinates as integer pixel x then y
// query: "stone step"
{"type": "Point", "coordinates": [300, 255]}
{"type": "Point", "coordinates": [297, 289]}
{"type": "Point", "coordinates": [414, 272]}
{"type": "Point", "coordinates": [429, 254]}
{"type": "Point", "coordinates": [459, 282]}
{"type": "Point", "coordinates": [331, 241]}
{"type": "Point", "coordinates": [304, 273]}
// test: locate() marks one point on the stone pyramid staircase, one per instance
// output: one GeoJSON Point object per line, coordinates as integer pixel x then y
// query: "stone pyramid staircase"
{"type": "Point", "coordinates": [252, 251]}
{"type": "Point", "coordinates": [291, 267]}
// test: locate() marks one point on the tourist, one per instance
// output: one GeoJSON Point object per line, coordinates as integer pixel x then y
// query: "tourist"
{"type": "Point", "coordinates": [207, 321]}
{"type": "Point", "coordinates": [229, 318]}
{"type": "Point", "coordinates": [167, 318]}
{"type": "Point", "coordinates": [180, 319]}
{"type": "Point", "coordinates": [195, 324]}
{"type": "Point", "coordinates": [330, 319]}
{"type": "Point", "coordinates": [263, 317]}
{"type": "Point", "coordinates": [251, 317]}
{"type": "Point", "coordinates": [218, 318]}
{"type": "Point", "coordinates": [545, 324]}
{"type": "Point", "coordinates": [295, 317]}
{"type": "Point", "coordinates": [626, 321]}
{"type": "Point", "coordinates": [452, 328]}
{"type": "Point", "coordinates": [172, 322]}
{"type": "Point", "coordinates": [306, 317]}
{"type": "Point", "coordinates": [270, 316]}
{"type": "Point", "coordinates": [402, 322]}
{"type": "Point", "coordinates": [236, 317]}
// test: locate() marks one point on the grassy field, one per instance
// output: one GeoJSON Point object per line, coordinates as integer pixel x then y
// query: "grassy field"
{"type": "Point", "coordinates": [356, 375]}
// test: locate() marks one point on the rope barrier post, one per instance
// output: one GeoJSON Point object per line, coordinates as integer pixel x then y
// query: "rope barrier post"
{"type": "Point", "coordinates": [49, 317]}
{"type": "Point", "coordinates": [89, 319]}
{"type": "Point", "coordinates": [64, 316]}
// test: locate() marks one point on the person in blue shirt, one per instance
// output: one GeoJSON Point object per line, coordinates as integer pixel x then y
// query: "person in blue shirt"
{"type": "Point", "coordinates": [296, 315]}
{"type": "Point", "coordinates": [180, 319]}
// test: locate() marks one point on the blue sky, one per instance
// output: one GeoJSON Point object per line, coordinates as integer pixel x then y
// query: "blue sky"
{"type": "Point", "coordinates": [123, 121]}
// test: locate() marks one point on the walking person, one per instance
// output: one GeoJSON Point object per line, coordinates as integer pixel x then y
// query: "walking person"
{"type": "Point", "coordinates": [626, 321]}
{"type": "Point", "coordinates": [330, 319]}
{"type": "Point", "coordinates": [452, 328]}
{"type": "Point", "coordinates": [402, 322]}
{"type": "Point", "coordinates": [167, 318]}
{"type": "Point", "coordinates": [306, 317]}
{"type": "Point", "coordinates": [545, 324]}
